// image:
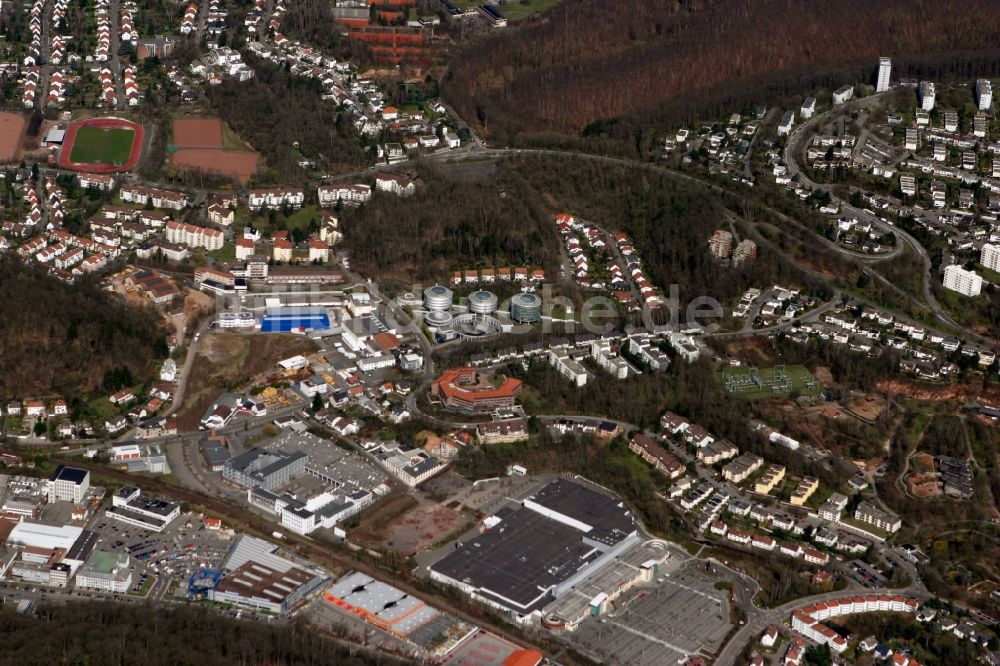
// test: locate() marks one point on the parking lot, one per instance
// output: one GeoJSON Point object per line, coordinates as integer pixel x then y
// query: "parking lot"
{"type": "Point", "coordinates": [163, 562]}
{"type": "Point", "coordinates": [865, 574]}
{"type": "Point", "coordinates": [681, 615]}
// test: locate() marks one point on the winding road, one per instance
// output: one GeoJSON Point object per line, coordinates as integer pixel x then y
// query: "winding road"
{"type": "Point", "coordinates": [793, 149]}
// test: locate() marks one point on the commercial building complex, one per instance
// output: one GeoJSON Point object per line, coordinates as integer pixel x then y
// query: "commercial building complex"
{"type": "Point", "coordinates": [535, 552]}
{"type": "Point", "coordinates": [107, 571]}
{"type": "Point", "coordinates": [68, 484]}
{"type": "Point", "coordinates": [256, 577]}
{"type": "Point", "coordinates": [261, 468]}
{"type": "Point", "coordinates": [129, 505]}
{"type": "Point", "coordinates": [465, 389]}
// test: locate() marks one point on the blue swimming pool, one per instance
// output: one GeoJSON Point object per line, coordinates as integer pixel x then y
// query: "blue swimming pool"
{"type": "Point", "coordinates": [287, 323]}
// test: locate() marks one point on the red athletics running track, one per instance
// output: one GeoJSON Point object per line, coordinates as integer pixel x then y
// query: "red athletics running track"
{"type": "Point", "coordinates": [103, 123]}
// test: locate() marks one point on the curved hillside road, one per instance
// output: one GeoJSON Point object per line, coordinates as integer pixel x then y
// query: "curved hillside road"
{"type": "Point", "coordinates": [793, 149]}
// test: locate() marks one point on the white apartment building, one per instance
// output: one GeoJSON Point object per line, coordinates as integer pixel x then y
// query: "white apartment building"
{"type": "Point", "coordinates": [989, 257]}
{"type": "Point", "coordinates": [868, 512]}
{"type": "Point", "coordinates": [398, 185]}
{"type": "Point", "coordinates": [568, 367]}
{"type": "Point", "coordinates": [907, 184]}
{"type": "Point", "coordinates": [964, 282]}
{"type": "Point", "coordinates": [275, 198]}
{"type": "Point", "coordinates": [984, 94]}
{"type": "Point", "coordinates": [616, 366]}
{"type": "Point", "coordinates": [884, 71]}
{"type": "Point", "coordinates": [843, 94]}
{"type": "Point", "coordinates": [143, 195]}
{"type": "Point", "coordinates": [808, 108]}
{"type": "Point", "coordinates": [785, 126]}
{"type": "Point", "coordinates": [927, 93]}
{"type": "Point", "coordinates": [351, 195]}
{"type": "Point", "coordinates": [97, 180]}
{"type": "Point", "coordinates": [194, 236]}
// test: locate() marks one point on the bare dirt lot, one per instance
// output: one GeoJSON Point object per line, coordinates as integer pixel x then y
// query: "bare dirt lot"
{"type": "Point", "coordinates": [225, 359]}
{"type": "Point", "coordinates": [866, 407]}
{"type": "Point", "coordinates": [422, 527]}
{"type": "Point", "coordinates": [11, 130]}
{"type": "Point", "coordinates": [407, 524]}
{"type": "Point", "coordinates": [923, 485]}
{"type": "Point", "coordinates": [198, 133]}
{"type": "Point", "coordinates": [235, 163]}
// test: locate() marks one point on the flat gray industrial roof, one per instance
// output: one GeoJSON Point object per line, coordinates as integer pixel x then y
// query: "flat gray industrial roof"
{"type": "Point", "coordinates": [519, 558]}
{"type": "Point", "coordinates": [608, 516]}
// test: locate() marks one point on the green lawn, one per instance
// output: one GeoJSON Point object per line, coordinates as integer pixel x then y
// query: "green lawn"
{"type": "Point", "coordinates": [226, 254]}
{"type": "Point", "coordinates": [101, 408]}
{"type": "Point", "coordinates": [987, 274]}
{"type": "Point", "coordinates": [759, 383]}
{"type": "Point", "coordinates": [96, 145]}
{"type": "Point", "coordinates": [301, 218]}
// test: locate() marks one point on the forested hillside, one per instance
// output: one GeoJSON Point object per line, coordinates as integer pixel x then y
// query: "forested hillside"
{"type": "Point", "coordinates": [117, 633]}
{"type": "Point", "coordinates": [480, 216]}
{"type": "Point", "coordinates": [650, 62]}
{"type": "Point", "coordinates": [285, 118]}
{"type": "Point", "coordinates": [503, 216]}
{"type": "Point", "coordinates": [61, 339]}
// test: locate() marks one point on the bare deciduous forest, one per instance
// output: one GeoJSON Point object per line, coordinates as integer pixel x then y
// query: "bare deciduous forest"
{"type": "Point", "coordinates": [504, 217]}
{"type": "Point", "coordinates": [612, 69]}
{"type": "Point", "coordinates": [115, 633]}
{"type": "Point", "coordinates": [57, 338]}
{"type": "Point", "coordinates": [285, 118]}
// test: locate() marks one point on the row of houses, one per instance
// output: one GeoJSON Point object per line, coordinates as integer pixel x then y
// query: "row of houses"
{"type": "Point", "coordinates": [473, 276]}
{"type": "Point", "coordinates": [158, 198]}
{"type": "Point", "coordinates": [809, 620]}
{"type": "Point", "coordinates": [102, 19]}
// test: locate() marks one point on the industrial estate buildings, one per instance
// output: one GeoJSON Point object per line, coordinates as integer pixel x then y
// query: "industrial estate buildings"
{"type": "Point", "coordinates": [536, 553]}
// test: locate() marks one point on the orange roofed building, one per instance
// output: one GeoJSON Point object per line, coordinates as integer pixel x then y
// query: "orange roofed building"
{"type": "Point", "coordinates": [467, 390]}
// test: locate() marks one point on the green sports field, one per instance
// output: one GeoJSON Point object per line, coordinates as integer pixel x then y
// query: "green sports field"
{"type": "Point", "coordinates": [96, 145]}
{"type": "Point", "coordinates": [759, 383]}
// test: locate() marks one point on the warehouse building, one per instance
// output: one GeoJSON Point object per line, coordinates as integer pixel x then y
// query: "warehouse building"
{"type": "Point", "coordinates": [534, 553]}
{"type": "Point", "coordinates": [256, 577]}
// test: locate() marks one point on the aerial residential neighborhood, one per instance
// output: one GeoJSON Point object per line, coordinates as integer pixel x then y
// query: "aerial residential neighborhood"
{"type": "Point", "coordinates": [500, 334]}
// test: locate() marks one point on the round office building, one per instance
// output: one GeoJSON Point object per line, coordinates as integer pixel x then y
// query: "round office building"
{"type": "Point", "coordinates": [526, 307]}
{"type": "Point", "coordinates": [438, 298]}
{"type": "Point", "coordinates": [482, 302]}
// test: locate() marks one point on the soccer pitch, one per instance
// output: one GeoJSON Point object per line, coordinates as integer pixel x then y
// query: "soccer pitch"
{"type": "Point", "coordinates": [97, 145]}
{"type": "Point", "coordinates": [779, 381]}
